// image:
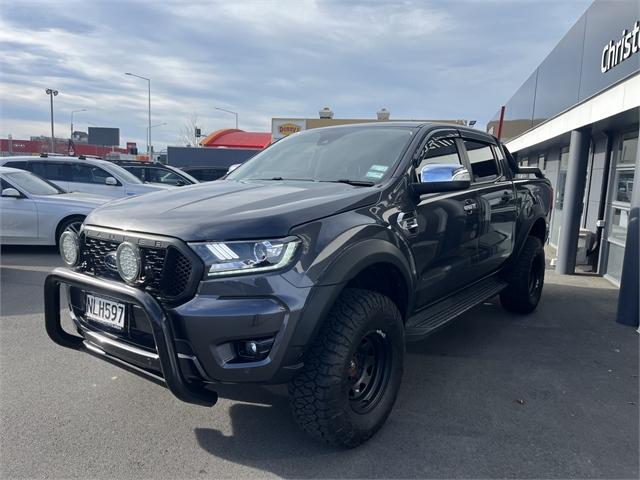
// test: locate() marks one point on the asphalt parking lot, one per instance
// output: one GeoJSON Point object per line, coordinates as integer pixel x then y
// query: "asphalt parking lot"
{"type": "Point", "coordinates": [551, 395]}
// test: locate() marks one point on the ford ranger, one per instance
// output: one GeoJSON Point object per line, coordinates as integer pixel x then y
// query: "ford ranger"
{"type": "Point", "coordinates": [311, 264]}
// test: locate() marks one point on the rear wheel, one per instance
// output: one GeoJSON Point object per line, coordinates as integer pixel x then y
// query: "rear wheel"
{"type": "Point", "coordinates": [352, 370]}
{"type": "Point", "coordinates": [527, 279]}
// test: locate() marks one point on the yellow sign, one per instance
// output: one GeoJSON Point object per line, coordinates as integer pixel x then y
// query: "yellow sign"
{"type": "Point", "coordinates": [288, 129]}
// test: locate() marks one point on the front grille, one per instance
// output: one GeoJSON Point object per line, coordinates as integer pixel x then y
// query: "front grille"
{"type": "Point", "coordinates": [166, 271]}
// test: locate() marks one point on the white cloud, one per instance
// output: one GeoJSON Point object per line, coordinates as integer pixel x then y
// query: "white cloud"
{"type": "Point", "coordinates": [265, 59]}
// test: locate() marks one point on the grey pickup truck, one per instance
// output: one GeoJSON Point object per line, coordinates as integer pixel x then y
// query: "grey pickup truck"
{"type": "Point", "coordinates": [311, 264]}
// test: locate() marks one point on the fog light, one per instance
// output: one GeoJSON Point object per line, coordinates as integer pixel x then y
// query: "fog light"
{"type": "Point", "coordinates": [69, 248]}
{"type": "Point", "coordinates": [128, 262]}
{"type": "Point", "coordinates": [253, 350]}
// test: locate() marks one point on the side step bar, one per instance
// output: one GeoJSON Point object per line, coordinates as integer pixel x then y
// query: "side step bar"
{"type": "Point", "coordinates": [433, 317]}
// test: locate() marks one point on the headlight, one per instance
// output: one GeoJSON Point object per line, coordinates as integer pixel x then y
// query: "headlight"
{"type": "Point", "coordinates": [128, 261]}
{"type": "Point", "coordinates": [69, 248]}
{"type": "Point", "coordinates": [233, 258]}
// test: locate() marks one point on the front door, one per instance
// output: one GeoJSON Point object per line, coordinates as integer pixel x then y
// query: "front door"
{"type": "Point", "coordinates": [18, 218]}
{"type": "Point", "coordinates": [445, 238]}
{"type": "Point", "coordinates": [92, 179]}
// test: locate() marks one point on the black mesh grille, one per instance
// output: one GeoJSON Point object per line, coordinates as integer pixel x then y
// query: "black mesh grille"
{"type": "Point", "coordinates": [166, 270]}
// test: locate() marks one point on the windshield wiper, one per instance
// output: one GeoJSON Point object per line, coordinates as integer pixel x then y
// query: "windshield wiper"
{"type": "Point", "coordinates": [282, 179]}
{"type": "Point", "coordinates": [356, 183]}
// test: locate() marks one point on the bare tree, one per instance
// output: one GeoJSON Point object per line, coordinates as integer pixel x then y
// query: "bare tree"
{"type": "Point", "coordinates": [187, 135]}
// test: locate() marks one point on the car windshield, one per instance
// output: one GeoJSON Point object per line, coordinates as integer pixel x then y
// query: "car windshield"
{"type": "Point", "coordinates": [32, 184]}
{"type": "Point", "coordinates": [124, 175]}
{"type": "Point", "coordinates": [341, 154]}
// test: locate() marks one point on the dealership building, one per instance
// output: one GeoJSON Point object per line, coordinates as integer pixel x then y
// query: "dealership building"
{"type": "Point", "coordinates": [576, 117]}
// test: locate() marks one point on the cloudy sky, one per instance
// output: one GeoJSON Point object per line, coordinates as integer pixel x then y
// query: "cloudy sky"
{"type": "Point", "coordinates": [265, 58]}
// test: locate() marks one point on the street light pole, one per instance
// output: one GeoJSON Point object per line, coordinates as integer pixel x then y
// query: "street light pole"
{"type": "Point", "coordinates": [156, 125]}
{"type": "Point", "coordinates": [149, 125]}
{"type": "Point", "coordinates": [72, 112]}
{"type": "Point", "coordinates": [229, 111]}
{"type": "Point", "coordinates": [52, 93]}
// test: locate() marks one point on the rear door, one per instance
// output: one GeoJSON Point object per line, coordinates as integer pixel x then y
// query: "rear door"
{"type": "Point", "coordinates": [496, 199]}
{"type": "Point", "coordinates": [444, 239]}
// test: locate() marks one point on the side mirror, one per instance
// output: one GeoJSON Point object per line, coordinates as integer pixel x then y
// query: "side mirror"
{"type": "Point", "coordinates": [11, 193]}
{"type": "Point", "coordinates": [233, 167]}
{"type": "Point", "coordinates": [442, 177]}
{"type": "Point", "coordinates": [110, 181]}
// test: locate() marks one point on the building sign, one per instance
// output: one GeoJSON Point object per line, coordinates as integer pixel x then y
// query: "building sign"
{"type": "Point", "coordinates": [287, 129]}
{"type": "Point", "coordinates": [283, 127]}
{"type": "Point", "coordinates": [615, 52]}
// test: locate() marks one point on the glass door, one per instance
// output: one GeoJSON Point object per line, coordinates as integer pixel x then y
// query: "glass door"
{"type": "Point", "coordinates": [620, 203]}
{"type": "Point", "coordinates": [556, 218]}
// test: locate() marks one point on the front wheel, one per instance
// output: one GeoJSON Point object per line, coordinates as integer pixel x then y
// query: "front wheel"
{"type": "Point", "coordinates": [72, 223]}
{"type": "Point", "coordinates": [352, 371]}
{"type": "Point", "coordinates": [526, 280]}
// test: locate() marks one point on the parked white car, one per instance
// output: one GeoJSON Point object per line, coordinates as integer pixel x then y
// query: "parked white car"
{"type": "Point", "coordinates": [88, 175]}
{"type": "Point", "coordinates": [34, 211]}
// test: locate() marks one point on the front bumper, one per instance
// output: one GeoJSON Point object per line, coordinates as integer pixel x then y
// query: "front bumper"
{"type": "Point", "coordinates": [167, 355]}
{"type": "Point", "coordinates": [188, 347]}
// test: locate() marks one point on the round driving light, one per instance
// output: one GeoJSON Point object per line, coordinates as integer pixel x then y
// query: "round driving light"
{"type": "Point", "coordinates": [128, 262]}
{"type": "Point", "coordinates": [69, 248]}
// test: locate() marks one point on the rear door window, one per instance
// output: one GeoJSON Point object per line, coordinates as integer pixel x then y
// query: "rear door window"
{"type": "Point", "coordinates": [137, 171]}
{"type": "Point", "coordinates": [484, 167]}
{"type": "Point", "coordinates": [50, 170]}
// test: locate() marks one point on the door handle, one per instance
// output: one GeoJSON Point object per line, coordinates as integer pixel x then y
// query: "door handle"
{"type": "Point", "coordinates": [470, 206]}
{"type": "Point", "coordinates": [506, 196]}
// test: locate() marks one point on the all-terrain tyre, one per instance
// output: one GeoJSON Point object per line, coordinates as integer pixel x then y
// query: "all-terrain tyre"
{"type": "Point", "coordinates": [526, 279]}
{"type": "Point", "coordinates": [352, 370]}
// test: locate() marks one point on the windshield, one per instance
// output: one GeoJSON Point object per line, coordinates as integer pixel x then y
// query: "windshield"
{"type": "Point", "coordinates": [124, 175]}
{"type": "Point", "coordinates": [33, 184]}
{"type": "Point", "coordinates": [357, 154]}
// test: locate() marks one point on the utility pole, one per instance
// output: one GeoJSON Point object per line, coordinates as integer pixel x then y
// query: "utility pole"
{"type": "Point", "coordinates": [52, 93]}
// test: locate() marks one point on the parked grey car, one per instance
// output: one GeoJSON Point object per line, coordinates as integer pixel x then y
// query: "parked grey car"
{"type": "Point", "coordinates": [34, 211]}
{"type": "Point", "coordinates": [88, 175]}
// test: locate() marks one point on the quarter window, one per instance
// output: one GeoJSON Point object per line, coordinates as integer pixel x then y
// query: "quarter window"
{"type": "Point", "coordinates": [483, 164]}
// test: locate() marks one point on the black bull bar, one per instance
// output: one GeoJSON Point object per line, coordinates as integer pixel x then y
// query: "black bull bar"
{"type": "Point", "coordinates": [163, 335]}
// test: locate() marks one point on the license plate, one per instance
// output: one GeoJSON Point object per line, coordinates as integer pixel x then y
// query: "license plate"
{"type": "Point", "coordinates": [105, 311]}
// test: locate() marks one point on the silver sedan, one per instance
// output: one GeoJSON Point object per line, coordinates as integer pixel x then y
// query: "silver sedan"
{"type": "Point", "coordinates": [34, 211]}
